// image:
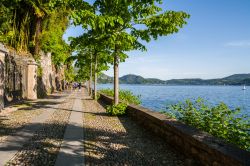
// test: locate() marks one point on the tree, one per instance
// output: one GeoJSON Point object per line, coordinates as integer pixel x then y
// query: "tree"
{"type": "Point", "coordinates": [95, 46]}
{"type": "Point", "coordinates": [83, 63]}
{"type": "Point", "coordinates": [40, 10]}
{"type": "Point", "coordinates": [101, 61]}
{"type": "Point", "coordinates": [15, 23]}
{"type": "Point", "coordinates": [127, 24]}
{"type": "Point", "coordinates": [51, 39]}
{"type": "Point", "coordinates": [23, 22]}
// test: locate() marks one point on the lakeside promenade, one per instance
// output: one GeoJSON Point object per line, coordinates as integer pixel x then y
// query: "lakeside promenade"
{"type": "Point", "coordinates": [69, 128]}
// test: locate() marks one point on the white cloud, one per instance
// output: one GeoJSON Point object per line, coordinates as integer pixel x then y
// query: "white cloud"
{"type": "Point", "coordinates": [243, 43]}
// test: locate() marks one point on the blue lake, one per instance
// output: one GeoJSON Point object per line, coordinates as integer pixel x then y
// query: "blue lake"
{"type": "Point", "coordinates": [157, 97]}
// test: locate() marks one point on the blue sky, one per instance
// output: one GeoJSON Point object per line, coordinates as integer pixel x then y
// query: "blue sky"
{"type": "Point", "coordinates": [215, 43]}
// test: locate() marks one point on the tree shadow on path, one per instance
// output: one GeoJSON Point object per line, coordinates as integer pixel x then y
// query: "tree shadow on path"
{"type": "Point", "coordinates": [26, 108]}
{"type": "Point", "coordinates": [123, 142]}
{"type": "Point", "coordinates": [43, 147]}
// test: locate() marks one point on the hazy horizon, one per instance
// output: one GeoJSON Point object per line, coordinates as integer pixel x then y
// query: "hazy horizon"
{"type": "Point", "coordinates": [177, 78]}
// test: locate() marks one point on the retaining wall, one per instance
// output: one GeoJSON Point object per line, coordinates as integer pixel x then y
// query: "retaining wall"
{"type": "Point", "coordinates": [201, 147]}
{"type": "Point", "coordinates": [18, 77]}
{"type": "Point", "coordinates": [3, 51]}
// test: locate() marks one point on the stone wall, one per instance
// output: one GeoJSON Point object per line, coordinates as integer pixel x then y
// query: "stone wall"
{"type": "Point", "coordinates": [52, 78]}
{"type": "Point", "coordinates": [200, 147]}
{"type": "Point", "coordinates": [18, 77]}
{"type": "Point", "coordinates": [47, 80]}
{"type": "Point", "coordinates": [59, 78]}
{"type": "Point", "coordinates": [47, 72]}
{"type": "Point", "coordinates": [25, 78]}
{"type": "Point", "coordinates": [31, 80]}
{"type": "Point", "coordinates": [3, 51]}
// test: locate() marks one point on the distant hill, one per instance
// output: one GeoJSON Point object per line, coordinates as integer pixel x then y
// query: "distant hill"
{"type": "Point", "coordinates": [104, 79]}
{"type": "Point", "coordinates": [195, 81]}
{"type": "Point", "coordinates": [130, 79]}
{"type": "Point", "coordinates": [134, 79]}
{"type": "Point", "coordinates": [236, 79]}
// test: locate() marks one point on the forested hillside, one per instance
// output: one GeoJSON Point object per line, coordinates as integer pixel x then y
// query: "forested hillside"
{"type": "Point", "coordinates": [236, 79]}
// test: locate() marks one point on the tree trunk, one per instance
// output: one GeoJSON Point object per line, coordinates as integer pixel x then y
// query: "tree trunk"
{"type": "Point", "coordinates": [37, 35]}
{"type": "Point", "coordinates": [116, 77]}
{"type": "Point", "coordinates": [89, 85]}
{"type": "Point", "coordinates": [95, 77]}
{"type": "Point", "coordinates": [91, 76]}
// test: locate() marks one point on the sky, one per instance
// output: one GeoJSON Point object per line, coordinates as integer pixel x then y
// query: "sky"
{"type": "Point", "coordinates": [215, 43]}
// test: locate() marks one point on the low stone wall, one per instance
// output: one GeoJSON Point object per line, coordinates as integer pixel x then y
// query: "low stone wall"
{"type": "Point", "coordinates": [201, 147]}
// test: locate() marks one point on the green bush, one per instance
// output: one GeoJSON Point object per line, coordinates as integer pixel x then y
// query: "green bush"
{"type": "Point", "coordinates": [116, 110]}
{"type": "Point", "coordinates": [125, 96]}
{"type": "Point", "coordinates": [168, 114]}
{"type": "Point", "coordinates": [219, 120]}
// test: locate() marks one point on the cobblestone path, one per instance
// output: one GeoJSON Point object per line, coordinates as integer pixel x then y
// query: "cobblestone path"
{"type": "Point", "coordinates": [120, 141]}
{"type": "Point", "coordinates": [15, 117]}
{"type": "Point", "coordinates": [107, 140]}
{"type": "Point", "coordinates": [71, 151]}
{"type": "Point", "coordinates": [43, 147]}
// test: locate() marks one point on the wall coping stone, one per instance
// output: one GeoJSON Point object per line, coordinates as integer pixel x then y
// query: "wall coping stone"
{"type": "Point", "coordinates": [205, 142]}
{"type": "Point", "coordinates": [31, 62]}
{"type": "Point", "coordinates": [3, 48]}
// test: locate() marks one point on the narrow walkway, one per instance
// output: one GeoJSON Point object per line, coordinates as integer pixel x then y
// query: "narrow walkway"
{"type": "Point", "coordinates": [110, 140]}
{"type": "Point", "coordinates": [14, 143]}
{"type": "Point", "coordinates": [71, 151]}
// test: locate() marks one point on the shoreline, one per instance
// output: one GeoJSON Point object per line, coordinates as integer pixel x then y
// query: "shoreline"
{"type": "Point", "coordinates": [173, 85]}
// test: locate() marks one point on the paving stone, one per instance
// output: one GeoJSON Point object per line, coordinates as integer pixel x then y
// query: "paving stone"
{"type": "Point", "coordinates": [111, 140]}
{"type": "Point", "coordinates": [71, 151]}
{"type": "Point", "coordinates": [36, 138]}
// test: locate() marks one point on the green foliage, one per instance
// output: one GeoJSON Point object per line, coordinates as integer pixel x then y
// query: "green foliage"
{"type": "Point", "coordinates": [15, 24]}
{"type": "Point", "coordinates": [83, 64]}
{"type": "Point", "coordinates": [126, 96]}
{"type": "Point", "coordinates": [69, 73]}
{"type": "Point", "coordinates": [117, 21]}
{"type": "Point", "coordinates": [91, 50]}
{"type": "Point", "coordinates": [121, 26]}
{"type": "Point", "coordinates": [5, 21]}
{"type": "Point", "coordinates": [219, 121]}
{"type": "Point", "coordinates": [51, 38]}
{"type": "Point", "coordinates": [168, 114]}
{"type": "Point", "coordinates": [27, 23]}
{"type": "Point", "coordinates": [39, 71]}
{"type": "Point", "coordinates": [117, 110]}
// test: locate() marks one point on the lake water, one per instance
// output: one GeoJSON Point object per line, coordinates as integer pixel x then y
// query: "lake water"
{"type": "Point", "coordinates": [157, 97]}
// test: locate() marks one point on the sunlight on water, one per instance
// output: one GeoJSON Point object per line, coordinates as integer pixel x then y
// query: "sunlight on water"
{"type": "Point", "coordinates": [159, 97]}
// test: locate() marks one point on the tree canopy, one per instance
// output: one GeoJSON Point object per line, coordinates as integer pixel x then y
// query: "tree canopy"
{"type": "Point", "coordinates": [112, 29]}
{"type": "Point", "coordinates": [31, 26]}
{"type": "Point", "coordinates": [125, 24]}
